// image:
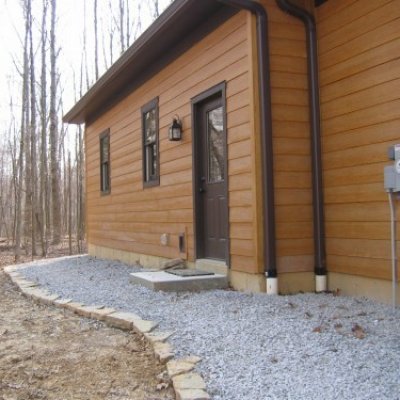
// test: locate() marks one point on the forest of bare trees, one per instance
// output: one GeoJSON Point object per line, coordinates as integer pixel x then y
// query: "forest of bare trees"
{"type": "Point", "coordinates": [42, 162]}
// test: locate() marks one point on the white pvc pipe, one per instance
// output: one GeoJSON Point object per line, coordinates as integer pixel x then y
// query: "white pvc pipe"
{"type": "Point", "coordinates": [321, 283]}
{"type": "Point", "coordinates": [393, 246]}
{"type": "Point", "coordinates": [272, 286]}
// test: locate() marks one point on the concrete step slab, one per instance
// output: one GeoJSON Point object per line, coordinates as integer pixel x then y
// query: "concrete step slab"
{"type": "Point", "coordinates": [166, 282]}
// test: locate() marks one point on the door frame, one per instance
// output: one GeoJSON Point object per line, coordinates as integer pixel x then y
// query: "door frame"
{"type": "Point", "coordinates": [220, 91]}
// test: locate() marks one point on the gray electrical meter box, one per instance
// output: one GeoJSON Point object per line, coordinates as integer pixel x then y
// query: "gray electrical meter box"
{"type": "Point", "coordinates": [392, 172]}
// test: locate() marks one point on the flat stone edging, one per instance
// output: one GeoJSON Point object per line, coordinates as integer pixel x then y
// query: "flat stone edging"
{"type": "Point", "coordinates": [188, 385]}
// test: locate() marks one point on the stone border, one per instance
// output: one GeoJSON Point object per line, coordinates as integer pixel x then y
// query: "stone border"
{"type": "Point", "coordinates": [188, 385]}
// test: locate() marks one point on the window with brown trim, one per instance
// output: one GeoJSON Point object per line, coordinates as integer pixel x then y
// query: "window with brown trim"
{"type": "Point", "coordinates": [151, 163]}
{"type": "Point", "coordinates": [105, 186]}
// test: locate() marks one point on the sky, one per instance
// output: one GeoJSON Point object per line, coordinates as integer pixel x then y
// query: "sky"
{"type": "Point", "coordinates": [70, 26]}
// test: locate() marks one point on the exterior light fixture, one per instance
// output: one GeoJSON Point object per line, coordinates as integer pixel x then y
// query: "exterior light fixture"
{"type": "Point", "coordinates": [175, 130]}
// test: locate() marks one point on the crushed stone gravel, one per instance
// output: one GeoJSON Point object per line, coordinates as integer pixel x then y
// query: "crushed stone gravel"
{"type": "Point", "coordinates": [253, 346]}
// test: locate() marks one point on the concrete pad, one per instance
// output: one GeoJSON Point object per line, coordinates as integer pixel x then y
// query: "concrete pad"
{"type": "Point", "coordinates": [163, 281]}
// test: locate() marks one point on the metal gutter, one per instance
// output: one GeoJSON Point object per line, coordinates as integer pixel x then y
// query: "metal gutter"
{"type": "Point", "coordinates": [315, 122]}
{"type": "Point", "coordinates": [266, 133]}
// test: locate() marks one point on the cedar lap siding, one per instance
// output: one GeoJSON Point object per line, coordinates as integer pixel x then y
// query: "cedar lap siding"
{"type": "Point", "coordinates": [359, 48]}
{"type": "Point", "coordinates": [359, 79]}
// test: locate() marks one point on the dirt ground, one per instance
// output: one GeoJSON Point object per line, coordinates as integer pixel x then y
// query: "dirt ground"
{"type": "Point", "coordinates": [47, 353]}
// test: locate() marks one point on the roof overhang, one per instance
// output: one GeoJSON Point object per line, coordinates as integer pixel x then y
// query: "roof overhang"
{"type": "Point", "coordinates": [182, 24]}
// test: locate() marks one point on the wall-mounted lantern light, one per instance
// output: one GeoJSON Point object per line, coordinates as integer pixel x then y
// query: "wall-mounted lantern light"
{"type": "Point", "coordinates": [175, 130]}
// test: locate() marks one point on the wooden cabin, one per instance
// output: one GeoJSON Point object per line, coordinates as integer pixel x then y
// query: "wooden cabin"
{"type": "Point", "coordinates": [285, 108]}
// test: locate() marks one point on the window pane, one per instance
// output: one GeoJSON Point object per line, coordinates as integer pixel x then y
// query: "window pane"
{"type": "Point", "coordinates": [104, 149]}
{"type": "Point", "coordinates": [154, 159]}
{"type": "Point", "coordinates": [150, 126]}
{"type": "Point", "coordinates": [104, 177]}
{"type": "Point", "coordinates": [215, 140]}
{"type": "Point", "coordinates": [105, 163]}
{"type": "Point", "coordinates": [151, 162]}
{"type": "Point", "coordinates": [150, 143]}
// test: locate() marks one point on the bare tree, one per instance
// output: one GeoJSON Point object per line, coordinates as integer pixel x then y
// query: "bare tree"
{"type": "Point", "coordinates": [154, 8]}
{"type": "Point", "coordinates": [69, 169]}
{"type": "Point", "coordinates": [128, 23]}
{"type": "Point", "coordinates": [96, 41]}
{"type": "Point", "coordinates": [39, 176]}
{"type": "Point", "coordinates": [84, 60]}
{"type": "Point", "coordinates": [138, 29]}
{"type": "Point", "coordinates": [43, 219]}
{"type": "Point", "coordinates": [54, 161]}
{"type": "Point", "coordinates": [33, 156]}
{"type": "Point", "coordinates": [24, 123]}
{"type": "Point", "coordinates": [122, 25]}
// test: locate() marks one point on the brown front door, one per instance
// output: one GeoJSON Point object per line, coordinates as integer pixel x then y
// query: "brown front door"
{"type": "Point", "coordinates": [211, 178]}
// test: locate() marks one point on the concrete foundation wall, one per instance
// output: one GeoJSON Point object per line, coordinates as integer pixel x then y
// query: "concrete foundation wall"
{"type": "Point", "coordinates": [289, 283]}
{"type": "Point", "coordinates": [358, 286]}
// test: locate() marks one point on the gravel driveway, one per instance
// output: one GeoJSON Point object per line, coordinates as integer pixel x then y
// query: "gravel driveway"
{"type": "Point", "coordinates": [253, 346]}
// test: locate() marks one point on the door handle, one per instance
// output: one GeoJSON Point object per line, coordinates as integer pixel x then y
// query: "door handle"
{"type": "Point", "coordinates": [201, 190]}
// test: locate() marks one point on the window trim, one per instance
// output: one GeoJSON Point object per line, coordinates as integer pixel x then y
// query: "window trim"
{"type": "Point", "coordinates": [102, 136]}
{"type": "Point", "coordinates": [155, 180]}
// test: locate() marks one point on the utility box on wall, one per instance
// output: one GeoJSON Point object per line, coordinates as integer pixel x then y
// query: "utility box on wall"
{"type": "Point", "coordinates": [392, 172]}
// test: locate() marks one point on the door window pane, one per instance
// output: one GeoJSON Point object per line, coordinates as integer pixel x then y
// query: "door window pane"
{"type": "Point", "coordinates": [215, 142]}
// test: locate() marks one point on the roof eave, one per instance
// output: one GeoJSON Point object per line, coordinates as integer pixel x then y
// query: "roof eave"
{"type": "Point", "coordinates": [175, 23]}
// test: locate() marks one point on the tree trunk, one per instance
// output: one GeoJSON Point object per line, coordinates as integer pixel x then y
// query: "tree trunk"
{"type": "Point", "coordinates": [121, 24]}
{"type": "Point", "coordinates": [33, 157]}
{"type": "Point", "coordinates": [54, 161]}
{"type": "Point", "coordinates": [24, 124]}
{"type": "Point", "coordinates": [96, 42]}
{"type": "Point", "coordinates": [27, 145]}
{"type": "Point", "coordinates": [80, 213]}
{"type": "Point", "coordinates": [13, 152]}
{"type": "Point", "coordinates": [156, 9]}
{"type": "Point", "coordinates": [69, 204]}
{"type": "Point", "coordinates": [128, 24]}
{"type": "Point", "coordinates": [44, 180]}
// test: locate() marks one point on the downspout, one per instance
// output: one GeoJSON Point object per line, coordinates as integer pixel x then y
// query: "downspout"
{"type": "Point", "coordinates": [315, 122]}
{"type": "Point", "coordinates": [266, 137]}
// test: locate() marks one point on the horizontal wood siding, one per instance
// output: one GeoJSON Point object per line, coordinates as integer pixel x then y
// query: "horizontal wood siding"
{"type": "Point", "coordinates": [132, 218]}
{"type": "Point", "coordinates": [359, 47]}
{"type": "Point", "coordinates": [291, 136]}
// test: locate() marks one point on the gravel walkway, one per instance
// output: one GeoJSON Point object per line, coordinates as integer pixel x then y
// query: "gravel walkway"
{"type": "Point", "coordinates": [253, 346]}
